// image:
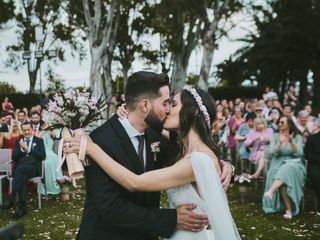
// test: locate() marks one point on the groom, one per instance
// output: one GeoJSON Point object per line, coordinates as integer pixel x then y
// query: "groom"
{"type": "Point", "coordinates": [111, 212]}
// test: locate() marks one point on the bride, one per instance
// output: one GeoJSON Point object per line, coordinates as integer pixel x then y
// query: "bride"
{"type": "Point", "coordinates": [194, 176]}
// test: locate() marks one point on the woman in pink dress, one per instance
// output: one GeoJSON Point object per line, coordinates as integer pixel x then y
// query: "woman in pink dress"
{"type": "Point", "coordinates": [6, 105]}
{"type": "Point", "coordinates": [258, 139]}
{"type": "Point", "coordinates": [233, 124]}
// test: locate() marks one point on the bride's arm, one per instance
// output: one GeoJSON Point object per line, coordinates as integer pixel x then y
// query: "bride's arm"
{"type": "Point", "coordinates": [162, 179]}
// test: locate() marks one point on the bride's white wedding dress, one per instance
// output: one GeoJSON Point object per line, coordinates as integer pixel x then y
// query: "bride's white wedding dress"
{"type": "Point", "coordinates": [211, 201]}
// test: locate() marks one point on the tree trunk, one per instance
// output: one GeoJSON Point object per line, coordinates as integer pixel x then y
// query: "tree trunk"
{"type": "Point", "coordinates": [316, 90]}
{"type": "Point", "coordinates": [32, 81]}
{"type": "Point", "coordinates": [208, 50]}
{"type": "Point", "coordinates": [101, 35]}
{"type": "Point", "coordinates": [179, 73]}
{"type": "Point", "coordinates": [96, 82]}
{"type": "Point", "coordinates": [125, 70]}
{"type": "Point", "coordinates": [108, 82]}
{"type": "Point", "coordinates": [33, 75]}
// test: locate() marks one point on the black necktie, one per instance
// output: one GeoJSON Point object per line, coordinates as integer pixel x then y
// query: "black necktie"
{"type": "Point", "coordinates": [27, 143]}
{"type": "Point", "coordinates": [140, 149]}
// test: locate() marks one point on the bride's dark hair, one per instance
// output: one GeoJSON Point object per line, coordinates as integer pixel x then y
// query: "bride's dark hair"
{"type": "Point", "coordinates": [191, 117]}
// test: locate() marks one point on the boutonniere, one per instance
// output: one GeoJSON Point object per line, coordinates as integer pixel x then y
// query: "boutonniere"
{"type": "Point", "coordinates": [33, 145]}
{"type": "Point", "coordinates": [155, 148]}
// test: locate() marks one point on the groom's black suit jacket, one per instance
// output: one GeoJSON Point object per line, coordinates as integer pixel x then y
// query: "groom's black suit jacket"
{"type": "Point", "coordinates": [112, 212]}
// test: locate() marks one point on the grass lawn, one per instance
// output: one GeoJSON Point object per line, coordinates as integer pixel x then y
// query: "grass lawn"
{"type": "Point", "coordinates": [60, 220]}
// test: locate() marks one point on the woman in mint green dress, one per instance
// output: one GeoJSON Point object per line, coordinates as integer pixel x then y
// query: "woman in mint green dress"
{"type": "Point", "coordinates": [286, 175]}
{"type": "Point", "coordinates": [51, 163]}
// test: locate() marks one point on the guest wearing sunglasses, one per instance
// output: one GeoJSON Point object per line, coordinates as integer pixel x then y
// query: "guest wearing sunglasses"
{"type": "Point", "coordinates": [259, 110]}
{"type": "Point", "coordinates": [286, 175]}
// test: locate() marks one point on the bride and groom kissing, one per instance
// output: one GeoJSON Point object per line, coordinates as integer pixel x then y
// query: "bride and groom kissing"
{"type": "Point", "coordinates": [124, 179]}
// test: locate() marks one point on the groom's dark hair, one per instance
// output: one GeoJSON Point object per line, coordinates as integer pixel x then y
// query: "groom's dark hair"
{"type": "Point", "coordinates": [144, 84]}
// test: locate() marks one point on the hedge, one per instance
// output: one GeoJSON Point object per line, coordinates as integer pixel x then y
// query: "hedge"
{"type": "Point", "coordinates": [29, 100]}
{"type": "Point", "coordinates": [20, 100]}
{"type": "Point", "coordinates": [231, 93]}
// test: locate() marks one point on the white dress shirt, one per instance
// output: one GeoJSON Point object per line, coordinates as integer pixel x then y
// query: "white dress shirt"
{"type": "Point", "coordinates": [29, 146]}
{"type": "Point", "coordinates": [132, 133]}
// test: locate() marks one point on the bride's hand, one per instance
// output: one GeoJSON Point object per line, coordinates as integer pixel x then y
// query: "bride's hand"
{"type": "Point", "coordinates": [122, 111]}
{"type": "Point", "coordinates": [226, 174]}
{"type": "Point", "coordinates": [72, 145]}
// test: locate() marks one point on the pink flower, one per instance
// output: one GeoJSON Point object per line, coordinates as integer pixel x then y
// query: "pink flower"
{"type": "Point", "coordinates": [94, 100]}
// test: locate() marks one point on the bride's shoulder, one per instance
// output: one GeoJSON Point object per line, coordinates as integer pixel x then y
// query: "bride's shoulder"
{"type": "Point", "coordinates": [204, 154]}
{"type": "Point", "coordinates": [206, 158]}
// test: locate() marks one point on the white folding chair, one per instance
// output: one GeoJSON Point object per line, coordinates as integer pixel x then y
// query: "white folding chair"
{"type": "Point", "coordinates": [5, 168]}
{"type": "Point", "coordinates": [38, 181]}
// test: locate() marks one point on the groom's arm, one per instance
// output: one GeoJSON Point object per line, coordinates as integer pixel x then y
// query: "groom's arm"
{"type": "Point", "coordinates": [117, 211]}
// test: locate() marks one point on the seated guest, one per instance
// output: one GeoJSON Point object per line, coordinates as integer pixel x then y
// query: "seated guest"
{"type": "Point", "coordinates": [21, 117]}
{"type": "Point", "coordinates": [241, 136]}
{"type": "Point", "coordinates": [312, 153]}
{"type": "Point", "coordinates": [260, 109]}
{"type": "Point", "coordinates": [287, 173]}
{"type": "Point", "coordinates": [5, 126]}
{"type": "Point", "coordinates": [258, 139]}
{"type": "Point", "coordinates": [27, 112]}
{"type": "Point", "coordinates": [234, 123]}
{"type": "Point", "coordinates": [15, 132]}
{"type": "Point", "coordinates": [28, 154]}
{"type": "Point", "coordinates": [273, 119]}
{"type": "Point", "coordinates": [36, 123]}
{"type": "Point", "coordinates": [304, 126]}
{"type": "Point", "coordinates": [3, 119]}
{"type": "Point", "coordinates": [50, 165]}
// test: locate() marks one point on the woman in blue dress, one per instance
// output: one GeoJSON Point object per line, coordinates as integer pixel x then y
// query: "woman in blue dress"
{"type": "Point", "coordinates": [51, 163]}
{"type": "Point", "coordinates": [287, 172]}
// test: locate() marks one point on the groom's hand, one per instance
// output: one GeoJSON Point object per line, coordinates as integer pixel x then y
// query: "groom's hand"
{"type": "Point", "coordinates": [190, 221]}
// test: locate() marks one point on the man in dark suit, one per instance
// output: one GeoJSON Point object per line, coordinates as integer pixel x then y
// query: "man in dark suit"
{"type": "Point", "coordinates": [112, 212]}
{"type": "Point", "coordinates": [28, 154]}
{"type": "Point", "coordinates": [312, 154]}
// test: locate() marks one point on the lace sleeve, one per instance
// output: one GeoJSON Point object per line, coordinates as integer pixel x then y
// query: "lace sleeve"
{"type": "Point", "coordinates": [214, 197]}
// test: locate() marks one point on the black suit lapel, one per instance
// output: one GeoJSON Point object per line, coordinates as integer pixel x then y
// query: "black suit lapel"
{"type": "Point", "coordinates": [126, 144]}
{"type": "Point", "coordinates": [132, 154]}
{"type": "Point", "coordinates": [149, 155]}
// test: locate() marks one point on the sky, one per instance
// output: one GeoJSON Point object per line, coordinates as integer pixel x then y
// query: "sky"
{"type": "Point", "coordinates": [77, 74]}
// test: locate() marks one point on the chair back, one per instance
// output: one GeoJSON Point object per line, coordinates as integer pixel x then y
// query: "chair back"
{"type": "Point", "coordinates": [5, 159]}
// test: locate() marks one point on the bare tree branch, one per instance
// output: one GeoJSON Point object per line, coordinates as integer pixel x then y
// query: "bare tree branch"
{"type": "Point", "coordinates": [87, 15]}
{"type": "Point", "coordinates": [97, 14]}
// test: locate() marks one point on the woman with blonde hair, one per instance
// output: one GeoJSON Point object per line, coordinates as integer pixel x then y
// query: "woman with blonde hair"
{"type": "Point", "coordinates": [258, 139]}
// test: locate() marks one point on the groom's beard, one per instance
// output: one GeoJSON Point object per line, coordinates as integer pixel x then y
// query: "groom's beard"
{"type": "Point", "coordinates": [154, 122]}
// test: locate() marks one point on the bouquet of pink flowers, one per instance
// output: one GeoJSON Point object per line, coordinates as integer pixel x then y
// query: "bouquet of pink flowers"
{"type": "Point", "coordinates": [73, 111]}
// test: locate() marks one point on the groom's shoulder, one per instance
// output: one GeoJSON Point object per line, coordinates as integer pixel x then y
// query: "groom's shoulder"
{"type": "Point", "coordinates": [105, 128]}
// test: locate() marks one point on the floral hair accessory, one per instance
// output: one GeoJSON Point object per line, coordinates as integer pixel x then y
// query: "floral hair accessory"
{"type": "Point", "coordinates": [198, 99]}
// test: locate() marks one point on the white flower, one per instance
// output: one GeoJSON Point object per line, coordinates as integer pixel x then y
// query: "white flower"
{"type": "Point", "coordinates": [155, 147]}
